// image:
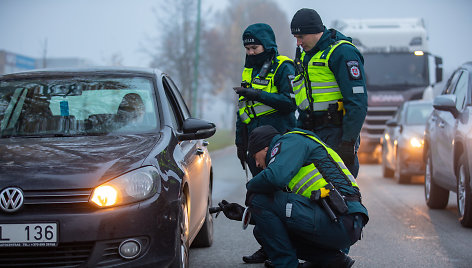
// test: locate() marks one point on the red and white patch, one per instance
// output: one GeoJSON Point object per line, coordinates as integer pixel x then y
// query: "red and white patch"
{"type": "Point", "coordinates": [355, 72]}
{"type": "Point", "coordinates": [275, 150]}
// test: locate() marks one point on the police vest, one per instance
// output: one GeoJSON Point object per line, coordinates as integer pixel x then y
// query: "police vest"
{"type": "Point", "coordinates": [309, 178]}
{"type": "Point", "coordinates": [251, 109]}
{"type": "Point", "coordinates": [322, 83]}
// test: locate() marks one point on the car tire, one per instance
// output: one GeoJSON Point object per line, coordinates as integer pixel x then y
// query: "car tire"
{"type": "Point", "coordinates": [204, 237]}
{"type": "Point", "coordinates": [398, 176]}
{"type": "Point", "coordinates": [182, 250]}
{"type": "Point", "coordinates": [387, 172]}
{"type": "Point", "coordinates": [436, 197]}
{"type": "Point", "coordinates": [464, 201]}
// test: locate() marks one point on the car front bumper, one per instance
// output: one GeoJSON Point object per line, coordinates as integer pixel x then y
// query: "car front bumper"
{"type": "Point", "coordinates": [90, 237]}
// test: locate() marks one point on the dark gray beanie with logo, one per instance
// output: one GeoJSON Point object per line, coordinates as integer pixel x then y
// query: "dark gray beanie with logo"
{"type": "Point", "coordinates": [306, 21]}
{"type": "Point", "coordinates": [260, 138]}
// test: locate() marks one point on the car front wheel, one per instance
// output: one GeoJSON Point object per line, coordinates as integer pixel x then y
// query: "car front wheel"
{"type": "Point", "coordinates": [464, 204]}
{"type": "Point", "coordinates": [204, 237]}
{"type": "Point", "coordinates": [182, 250]}
{"type": "Point", "coordinates": [436, 197]}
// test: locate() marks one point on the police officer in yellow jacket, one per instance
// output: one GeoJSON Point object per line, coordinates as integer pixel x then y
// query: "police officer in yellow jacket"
{"type": "Point", "coordinates": [305, 204]}
{"type": "Point", "coordinates": [265, 95]}
{"type": "Point", "coordinates": [330, 85]}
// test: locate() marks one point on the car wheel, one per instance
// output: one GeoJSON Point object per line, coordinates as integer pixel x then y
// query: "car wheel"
{"type": "Point", "coordinates": [464, 202]}
{"type": "Point", "coordinates": [182, 250]}
{"type": "Point", "coordinates": [204, 237]}
{"type": "Point", "coordinates": [399, 177]}
{"type": "Point", "coordinates": [387, 172]}
{"type": "Point", "coordinates": [436, 197]}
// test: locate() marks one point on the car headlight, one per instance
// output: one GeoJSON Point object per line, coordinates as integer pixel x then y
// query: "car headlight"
{"type": "Point", "coordinates": [416, 143]}
{"type": "Point", "coordinates": [128, 188]}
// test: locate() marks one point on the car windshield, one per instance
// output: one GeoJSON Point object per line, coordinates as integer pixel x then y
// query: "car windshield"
{"type": "Point", "coordinates": [78, 105]}
{"type": "Point", "coordinates": [417, 114]}
{"type": "Point", "coordinates": [400, 70]}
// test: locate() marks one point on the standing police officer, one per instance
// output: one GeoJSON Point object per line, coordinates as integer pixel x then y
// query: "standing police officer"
{"type": "Point", "coordinates": [265, 96]}
{"type": "Point", "coordinates": [305, 204]}
{"type": "Point", "coordinates": [330, 85]}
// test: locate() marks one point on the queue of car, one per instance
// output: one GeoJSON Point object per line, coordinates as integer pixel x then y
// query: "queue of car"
{"type": "Point", "coordinates": [101, 167]}
{"type": "Point", "coordinates": [444, 149]}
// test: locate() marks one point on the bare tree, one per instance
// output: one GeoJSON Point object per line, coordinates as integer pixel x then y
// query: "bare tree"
{"type": "Point", "coordinates": [174, 50]}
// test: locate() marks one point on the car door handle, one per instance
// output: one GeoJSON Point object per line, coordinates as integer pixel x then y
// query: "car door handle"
{"type": "Point", "coordinates": [441, 124]}
{"type": "Point", "coordinates": [200, 151]}
{"type": "Point", "coordinates": [205, 143]}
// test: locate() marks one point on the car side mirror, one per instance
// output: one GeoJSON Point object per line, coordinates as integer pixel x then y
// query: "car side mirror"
{"type": "Point", "coordinates": [196, 129]}
{"type": "Point", "coordinates": [446, 103]}
{"type": "Point", "coordinates": [391, 123]}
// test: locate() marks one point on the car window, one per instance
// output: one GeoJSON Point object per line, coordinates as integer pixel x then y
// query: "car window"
{"type": "Point", "coordinates": [461, 90]}
{"type": "Point", "coordinates": [78, 105]}
{"type": "Point", "coordinates": [451, 83]}
{"type": "Point", "coordinates": [417, 114]}
{"type": "Point", "coordinates": [398, 115]}
{"type": "Point", "coordinates": [178, 106]}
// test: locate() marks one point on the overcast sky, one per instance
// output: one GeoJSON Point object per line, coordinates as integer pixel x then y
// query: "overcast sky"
{"type": "Point", "coordinates": [97, 29]}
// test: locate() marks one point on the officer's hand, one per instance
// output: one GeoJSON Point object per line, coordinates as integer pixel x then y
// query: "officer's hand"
{"type": "Point", "coordinates": [249, 93]}
{"type": "Point", "coordinates": [346, 152]}
{"type": "Point", "coordinates": [232, 211]}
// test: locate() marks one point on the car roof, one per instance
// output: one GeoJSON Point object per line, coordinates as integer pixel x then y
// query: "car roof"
{"type": "Point", "coordinates": [81, 70]}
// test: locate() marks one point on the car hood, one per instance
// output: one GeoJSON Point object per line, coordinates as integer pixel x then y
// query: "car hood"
{"type": "Point", "coordinates": [70, 162]}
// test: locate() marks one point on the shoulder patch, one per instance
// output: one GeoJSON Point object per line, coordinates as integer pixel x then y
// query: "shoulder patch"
{"type": "Point", "coordinates": [275, 150]}
{"type": "Point", "coordinates": [353, 70]}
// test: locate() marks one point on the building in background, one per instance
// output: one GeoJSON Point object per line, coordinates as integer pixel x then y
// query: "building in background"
{"type": "Point", "coordinates": [11, 62]}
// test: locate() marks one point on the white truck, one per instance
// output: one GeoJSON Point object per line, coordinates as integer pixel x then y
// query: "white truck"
{"type": "Point", "coordinates": [398, 67]}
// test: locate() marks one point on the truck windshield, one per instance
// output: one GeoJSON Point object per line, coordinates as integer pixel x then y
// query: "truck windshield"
{"type": "Point", "coordinates": [395, 70]}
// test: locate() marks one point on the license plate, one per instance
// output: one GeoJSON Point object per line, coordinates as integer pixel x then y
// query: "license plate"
{"type": "Point", "coordinates": [28, 235]}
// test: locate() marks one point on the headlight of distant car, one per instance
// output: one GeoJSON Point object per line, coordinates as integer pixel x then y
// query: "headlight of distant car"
{"type": "Point", "coordinates": [416, 142]}
{"type": "Point", "coordinates": [128, 188]}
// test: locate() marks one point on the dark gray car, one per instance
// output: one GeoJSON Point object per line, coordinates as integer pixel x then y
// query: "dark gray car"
{"type": "Point", "coordinates": [447, 150]}
{"type": "Point", "coordinates": [101, 168]}
{"type": "Point", "coordinates": [402, 142]}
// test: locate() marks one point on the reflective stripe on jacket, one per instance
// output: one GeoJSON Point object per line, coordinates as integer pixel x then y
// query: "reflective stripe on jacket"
{"type": "Point", "coordinates": [323, 85]}
{"type": "Point", "coordinates": [251, 109]}
{"type": "Point", "coordinates": [309, 178]}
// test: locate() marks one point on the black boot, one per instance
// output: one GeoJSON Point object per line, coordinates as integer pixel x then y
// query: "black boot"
{"type": "Point", "coordinates": [343, 261]}
{"type": "Point", "coordinates": [258, 257]}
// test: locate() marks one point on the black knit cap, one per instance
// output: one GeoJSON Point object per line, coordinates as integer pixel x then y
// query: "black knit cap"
{"type": "Point", "coordinates": [306, 21]}
{"type": "Point", "coordinates": [260, 138]}
{"type": "Point", "coordinates": [249, 39]}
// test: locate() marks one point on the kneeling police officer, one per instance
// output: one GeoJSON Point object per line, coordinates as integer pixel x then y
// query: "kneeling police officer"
{"type": "Point", "coordinates": [305, 204]}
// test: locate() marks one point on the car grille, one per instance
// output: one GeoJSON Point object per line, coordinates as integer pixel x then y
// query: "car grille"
{"type": "Point", "coordinates": [56, 200]}
{"type": "Point", "coordinates": [64, 255]}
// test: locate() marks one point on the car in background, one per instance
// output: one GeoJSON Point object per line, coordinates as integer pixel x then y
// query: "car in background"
{"type": "Point", "coordinates": [447, 149]}
{"type": "Point", "coordinates": [402, 141]}
{"type": "Point", "coordinates": [101, 167]}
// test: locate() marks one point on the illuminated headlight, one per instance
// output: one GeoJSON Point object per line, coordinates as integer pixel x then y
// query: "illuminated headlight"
{"type": "Point", "coordinates": [416, 143]}
{"type": "Point", "coordinates": [131, 187]}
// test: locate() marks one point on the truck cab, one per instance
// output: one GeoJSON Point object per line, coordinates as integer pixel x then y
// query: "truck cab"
{"type": "Point", "coordinates": [398, 67]}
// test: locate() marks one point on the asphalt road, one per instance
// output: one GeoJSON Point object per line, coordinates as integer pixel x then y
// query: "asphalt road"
{"type": "Point", "coordinates": [402, 231]}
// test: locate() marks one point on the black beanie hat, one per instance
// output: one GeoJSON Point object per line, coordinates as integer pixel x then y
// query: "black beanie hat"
{"type": "Point", "coordinates": [249, 39]}
{"type": "Point", "coordinates": [260, 138]}
{"type": "Point", "coordinates": [306, 21]}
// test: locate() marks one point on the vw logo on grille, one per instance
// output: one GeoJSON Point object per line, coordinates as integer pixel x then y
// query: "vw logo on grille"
{"type": "Point", "coordinates": [11, 199]}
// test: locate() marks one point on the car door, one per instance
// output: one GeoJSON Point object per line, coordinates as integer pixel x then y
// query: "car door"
{"type": "Point", "coordinates": [443, 139]}
{"type": "Point", "coordinates": [196, 172]}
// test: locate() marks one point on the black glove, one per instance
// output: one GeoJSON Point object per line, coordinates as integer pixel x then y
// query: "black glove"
{"type": "Point", "coordinates": [346, 152]}
{"type": "Point", "coordinates": [232, 211]}
{"type": "Point", "coordinates": [242, 155]}
{"type": "Point", "coordinates": [249, 93]}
